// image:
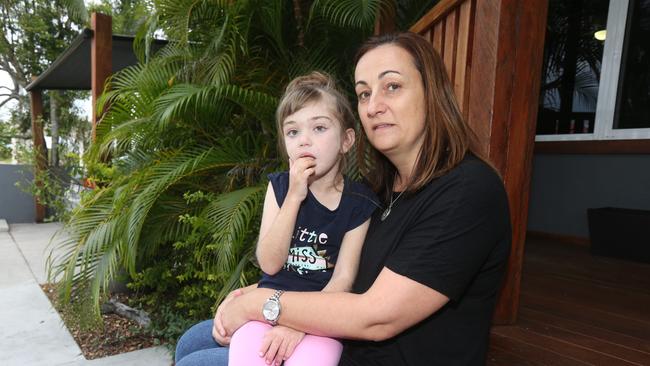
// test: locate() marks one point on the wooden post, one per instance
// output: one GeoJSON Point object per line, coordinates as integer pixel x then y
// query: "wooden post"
{"type": "Point", "coordinates": [40, 165]}
{"type": "Point", "coordinates": [385, 21]}
{"type": "Point", "coordinates": [101, 60]}
{"type": "Point", "coordinates": [509, 42]}
{"type": "Point", "coordinates": [497, 84]}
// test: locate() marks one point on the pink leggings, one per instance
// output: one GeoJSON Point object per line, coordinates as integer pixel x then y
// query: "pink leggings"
{"type": "Point", "coordinates": [312, 350]}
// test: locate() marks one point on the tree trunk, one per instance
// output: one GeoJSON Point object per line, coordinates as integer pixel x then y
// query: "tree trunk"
{"type": "Point", "coordinates": [297, 13]}
{"type": "Point", "coordinates": [137, 315]}
{"type": "Point", "coordinates": [54, 126]}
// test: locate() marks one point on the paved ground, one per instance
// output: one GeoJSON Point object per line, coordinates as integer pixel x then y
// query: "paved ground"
{"type": "Point", "coordinates": [31, 331]}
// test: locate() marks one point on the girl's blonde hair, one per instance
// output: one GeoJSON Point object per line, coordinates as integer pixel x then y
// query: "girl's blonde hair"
{"type": "Point", "coordinates": [313, 87]}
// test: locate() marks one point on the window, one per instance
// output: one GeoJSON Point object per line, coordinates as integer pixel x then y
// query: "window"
{"type": "Point", "coordinates": [596, 71]}
{"type": "Point", "coordinates": [633, 98]}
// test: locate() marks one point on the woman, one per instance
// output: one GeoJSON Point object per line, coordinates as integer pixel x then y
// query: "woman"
{"type": "Point", "coordinates": [434, 256]}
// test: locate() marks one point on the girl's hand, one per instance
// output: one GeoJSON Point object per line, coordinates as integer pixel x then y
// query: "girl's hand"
{"type": "Point", "coordinates": [279, 343]}
{"type": "Point", "coordinates": [299, 172]}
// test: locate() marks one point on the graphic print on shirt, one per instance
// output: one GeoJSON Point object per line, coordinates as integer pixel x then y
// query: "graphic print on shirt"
{"type": "Point", "coordinates": [307, 252]}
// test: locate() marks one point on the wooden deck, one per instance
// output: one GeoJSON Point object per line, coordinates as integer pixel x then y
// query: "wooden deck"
{"type": "Point", "coordinates": [577, 309]}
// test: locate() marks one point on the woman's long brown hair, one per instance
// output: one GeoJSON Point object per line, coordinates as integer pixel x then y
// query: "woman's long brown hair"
{"type": "Point", "coordinates": [448, 137]}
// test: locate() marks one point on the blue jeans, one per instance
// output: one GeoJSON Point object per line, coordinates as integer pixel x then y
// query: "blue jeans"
{"type": "Point", "coordinates": [196, 347]}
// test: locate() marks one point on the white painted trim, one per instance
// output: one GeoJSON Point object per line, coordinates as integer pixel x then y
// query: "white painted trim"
{"type": "Point", "coordinates": [566, 137]}
{"type": "Point", "coordinates": [616, 20]}
{"type": "Point", "coordinates": [607, 91]}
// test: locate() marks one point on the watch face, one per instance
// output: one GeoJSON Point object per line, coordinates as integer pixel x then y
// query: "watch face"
{"type": "Point", "coordinates": [271, 310]}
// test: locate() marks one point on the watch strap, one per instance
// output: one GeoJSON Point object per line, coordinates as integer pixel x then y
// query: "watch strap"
{"type": "Point", "coordinates": [276, 295]}
{"type": "Point", "coordinates": [276, 299]}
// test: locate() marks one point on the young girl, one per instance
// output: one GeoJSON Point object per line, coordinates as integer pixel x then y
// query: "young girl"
{"type": "Point", "coordinates": [313, 224]}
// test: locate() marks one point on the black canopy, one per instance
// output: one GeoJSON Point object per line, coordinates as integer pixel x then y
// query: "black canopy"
{"type": "Point", "coordinates": [71, 70]}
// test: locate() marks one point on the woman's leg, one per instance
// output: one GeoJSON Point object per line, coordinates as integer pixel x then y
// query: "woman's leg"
{"type": "Point", "coordinates": [316, 351]}
{"type": "Point", "coordinates": [246, 343]}
{"type": "Point", "coordinates": [196, 347]}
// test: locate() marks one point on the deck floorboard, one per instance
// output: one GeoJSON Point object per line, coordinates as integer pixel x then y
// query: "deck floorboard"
{"type": "Point", "coordinates": [576, 309]}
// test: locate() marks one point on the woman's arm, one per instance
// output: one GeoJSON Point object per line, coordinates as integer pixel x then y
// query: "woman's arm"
{"type": "Point", "coordinates": [347, 263]}
{"type": "Point", "coordinates": [246, 289]}
{"type": "Point", "coordinates": [223, 340]}
{"type": "Point", "coordinates": [393, 304]}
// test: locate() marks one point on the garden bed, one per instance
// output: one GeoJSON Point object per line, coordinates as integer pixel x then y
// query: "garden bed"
{"type": "Point", "coordinates": [118, 334]}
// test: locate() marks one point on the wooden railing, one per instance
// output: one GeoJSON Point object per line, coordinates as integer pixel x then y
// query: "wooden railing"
{"type": "Point", "coordinates": [449, 27]}
{"type": "Point", "coordinates": [492, 50]}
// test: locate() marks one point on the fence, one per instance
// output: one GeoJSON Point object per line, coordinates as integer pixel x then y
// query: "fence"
{"type": "Point", "coordinates": [16, 206]}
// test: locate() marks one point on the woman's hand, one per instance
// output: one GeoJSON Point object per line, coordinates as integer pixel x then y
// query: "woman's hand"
{"type": "Point", "coordinates": [240, 309]}
{"type": "Point", "coordinates": [299, 172]}
{"type": "Point", "coordinates": [279, 343]}
{"type": "Point", "coordinates": [218, 332]}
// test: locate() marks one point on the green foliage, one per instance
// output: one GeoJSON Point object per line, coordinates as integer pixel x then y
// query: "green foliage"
{"type": "Point", "coordinates": [127, 15]}
{"type": "Point", "coordinates": [5, 154]}
{"type": "Point", "coordinates": [52, 186]}
{"type": "Point", "coordinates": [183, 151]}
{"type": "Point", "coordinates": [167, 324]}
{"type": "Point", "coordinates": [34, 33]}
{"type": "Point", "coordinates": [190, 274]}
{"type": "Point", "coordinates": [359, 14]}
{"type": "Point", "coordinates": [6, 133]}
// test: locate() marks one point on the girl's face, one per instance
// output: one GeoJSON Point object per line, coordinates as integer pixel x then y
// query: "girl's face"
{"type": "Point", "coordinates": [391, 101]}
{"type": "Point", "coordinates": [313, 132]}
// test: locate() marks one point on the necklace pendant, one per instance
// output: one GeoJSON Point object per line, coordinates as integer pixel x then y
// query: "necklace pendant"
{"type": "Point", "coordinates": [385, 214]}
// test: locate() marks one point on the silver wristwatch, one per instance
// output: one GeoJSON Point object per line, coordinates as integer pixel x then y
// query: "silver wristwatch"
{"type": "Point", "coordinates": [271, 309]}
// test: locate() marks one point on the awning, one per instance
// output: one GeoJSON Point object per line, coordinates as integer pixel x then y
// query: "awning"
{"type": "Point", "coordinates": [71, 70]}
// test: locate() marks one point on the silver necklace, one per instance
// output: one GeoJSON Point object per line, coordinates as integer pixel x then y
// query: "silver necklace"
{"type": "Point", "coordinates": [390, 206]}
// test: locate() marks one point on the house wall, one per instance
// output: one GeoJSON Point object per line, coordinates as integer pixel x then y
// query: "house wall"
{"type": "Point", "coordinates": [16, 206]}
{"type": "Point", "coordinates": [564, 186]}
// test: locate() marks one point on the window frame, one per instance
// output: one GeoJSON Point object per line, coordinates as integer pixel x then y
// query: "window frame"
{"type": "Point", "coordinates": [608, 86]}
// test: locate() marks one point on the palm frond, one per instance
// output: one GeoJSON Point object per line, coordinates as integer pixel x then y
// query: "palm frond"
{"type": "Point", "coordinates": [236, 278]}
{"type": "Point", "coordinates": [230, 217]}
{"type": "Point", "coordinates": [184, 98]}
{"type": "Point", "coordinates": [77, 10]}
{"type": "Point", "coordinates": [163, 224]}
{"type": "Point", "coordinates": [105, 233]}
{"type": "Point", "coordinates": [163, 175]}
{"type": "Point", "coordinates": [271, 25]}
{"type": "Point", "coordinates": [360, 14]}
{"type": "Point", "coordinates": [198, 116]}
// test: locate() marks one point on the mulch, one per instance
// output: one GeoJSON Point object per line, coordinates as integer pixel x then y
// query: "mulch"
{"type": "Point", "coordinates": [118, 334]}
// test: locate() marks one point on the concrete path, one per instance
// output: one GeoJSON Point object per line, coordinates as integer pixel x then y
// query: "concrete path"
{"type": "Point", "coordinates": [31, 331]}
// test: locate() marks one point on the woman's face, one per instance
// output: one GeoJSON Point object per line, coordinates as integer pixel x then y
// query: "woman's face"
{"type": "Point", "coordinates": [391, 101]}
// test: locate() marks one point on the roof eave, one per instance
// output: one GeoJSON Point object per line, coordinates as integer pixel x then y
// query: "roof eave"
{"type": "Point", "coordinates": [76, 43]}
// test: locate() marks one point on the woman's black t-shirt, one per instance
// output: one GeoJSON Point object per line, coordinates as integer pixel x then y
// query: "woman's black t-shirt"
{"type": "Point", "coordinates": [453, 236]}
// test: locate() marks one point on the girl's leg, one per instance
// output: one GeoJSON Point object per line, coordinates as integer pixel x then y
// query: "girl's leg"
{"type": "Point", "coordinates": [316, 351]}
{"type": "Point", "coordinates": [196, 347]}
{"type": "Point", "coordinates": [246, 343]}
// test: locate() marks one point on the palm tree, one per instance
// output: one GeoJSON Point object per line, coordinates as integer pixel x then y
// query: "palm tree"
{"type": "Point", "coordinates": [189, 138]}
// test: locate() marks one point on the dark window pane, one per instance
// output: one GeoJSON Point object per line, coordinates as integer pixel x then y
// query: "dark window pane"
{"type": "Point", "coordinates": [633, 99]}
{"type": "Point", "coordinates": [571, 69]}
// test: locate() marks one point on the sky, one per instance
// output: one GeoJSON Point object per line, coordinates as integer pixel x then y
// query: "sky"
{"type": "Point", "coordinates": [5, 80]}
